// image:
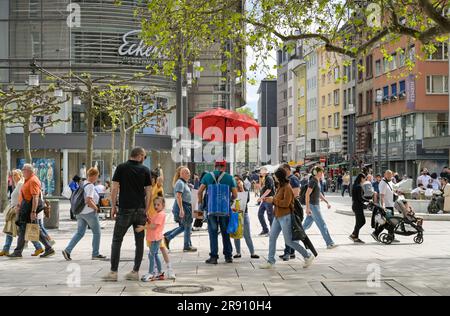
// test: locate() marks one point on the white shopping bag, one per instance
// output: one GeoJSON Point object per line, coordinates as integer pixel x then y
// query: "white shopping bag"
{"type": "Point", "coordinates": [67, 192]}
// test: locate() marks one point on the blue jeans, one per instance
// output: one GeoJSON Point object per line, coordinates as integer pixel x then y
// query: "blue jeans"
{"type": "Point", "coordinates": [154, 257]}
{"type": "Point", "coordinates": [84, 220]}
{"type": "Point", "coordinates": [283, 224]}
{"type": "Point", "coordinates": [9, 239]}
{"type": "Point", "coordinates": [214, 222]}
{"type": "Point", "coordinates": [316, 217]}
{"type": "Point", "coordinates": [44, 231]}
{"type": "Point", "coordinates": [185, 225]}
{"type": "Point", "coordinates": [262, 209]}
{"type": "Point", "coordinates": [247, 237]}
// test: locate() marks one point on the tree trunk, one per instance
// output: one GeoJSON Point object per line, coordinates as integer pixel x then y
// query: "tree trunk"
{"type": "Point", "coordinates": [26, 141]}
{"type": "Point", "coordinates": [131, 135]}
{"type": "Point", "coordinates": [90, 113]}
{"type": "Point", "coordinates": [123, 138]}
{"type": "Point", "coordinates": [113, 152]}
{"type": "Point", "coordinates": [4, 167]}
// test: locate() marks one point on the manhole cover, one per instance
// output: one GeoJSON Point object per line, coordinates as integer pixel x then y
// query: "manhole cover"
{"type": "Point", "coordinates": [183, 289]}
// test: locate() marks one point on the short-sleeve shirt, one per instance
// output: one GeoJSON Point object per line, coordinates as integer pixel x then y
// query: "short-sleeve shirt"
{"type": "Point", "coordinates": [90, 192]}
{"type": "Point", "coordinates": [133, 177]}
{"type": "Point", "coordinates": [314, 198]}
{"type": "Point", "coordinates": [269, 184]}
{"type": "Point", "coordinates": [386, 189]}
{"type": "Point", "coordinates": [158, 219]}
{"type": "Point", "coordinates": [31, 187]}
{"type": "Point", "coordinates": [294, 181]}
{"type": "Point", "coordinates": [183, 188]}
{"type": "Point", "coordinates": [226, 179]}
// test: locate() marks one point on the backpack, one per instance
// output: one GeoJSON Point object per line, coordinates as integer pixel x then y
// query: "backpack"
{"type": "Point", "coordinates": [218, 197]}
{"type": "Point", "coordinates": [302, 196]}
{"type": "Point", "coordinates": [77, 200]}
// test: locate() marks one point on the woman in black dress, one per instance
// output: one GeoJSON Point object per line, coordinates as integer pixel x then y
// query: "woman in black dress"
{"type": "Point", "coordinates": [358, 207]}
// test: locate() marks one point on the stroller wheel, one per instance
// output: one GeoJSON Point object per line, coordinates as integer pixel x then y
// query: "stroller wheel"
{"type": "Point", "coordinates": [386, 239]}
{"type": "Point", "coordinates": [418, 239]}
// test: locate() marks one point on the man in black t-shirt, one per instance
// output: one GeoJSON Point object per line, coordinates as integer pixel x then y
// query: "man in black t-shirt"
{"type": "Point", "coordinates": [132, 181]}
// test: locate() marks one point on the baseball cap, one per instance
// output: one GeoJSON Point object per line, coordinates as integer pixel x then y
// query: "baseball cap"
{"type": "Point", "coordinates": [221, 163]}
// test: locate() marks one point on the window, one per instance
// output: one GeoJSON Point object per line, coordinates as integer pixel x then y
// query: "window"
{"type": "Point", "coordinates": [378, 67]}
{"type": "Point", "coordinates": [323, 121]}
{"type": "Point", "coordinates": [284, 95]}
{"type": "Point", "coordinates": [336, 120]}
{"type": "Point", "coordinates": [290, 129]}
{"type": "Point", "coordinates": [323, 80]}
{"type": "Point", "coordinates": [393, 62]}
{"type": "Point", "coordinates": [301, 92]}
{"type": "Point", "coordinates": [353, 69]}
{"type": "Point", "coordinates": [36, 44]}
{"type": "Point", "coordinates": [329, 76]}
{"type": "Point", "coordinates": [35, 8]}
{"type": "Point", "coordinates": [290, 110]}
{"type": "Point", "coordinates": [369, 101]}
{"type": "Point", "coordinates": [336, 73]}
{"type": "Point", "coordinates": [393, 90]}
{"type": "Point", "coordinates": [437, 84]}
{"type": "Point", "coordinates": [441, 52]}
{"type": "Point", "coordinates": [329, 121]}
{"type": "Point", "coordinates": [360, 104]}
{"type": "Point", "coordinates": [435, 124]}
{"type": "Point", "coordinates": [412, 52]}
{"type": "Point", "coordinates": [290, 92]}
{"type": "Point", "coordinates": [78, 118]}
{"type": "Point", "coordinates": [402, 58]}
{"type": "Point", "coordinates": [323, 100]}
{"type": "Point", "coordinates": [284, 77]}
{"type": "Point", "coordinates": [410, 127]}
{"type": "Point", "coordinates": [336, 97]}
{"type": "Point", "coordinates": [360, 70]}
{"type": "Point", "coordinates": [369, 66]}
{"type": "Point", "coordinates": [385, 65]}
{"type": "Point", "coordinates": [345, 99]}
{"type": "Point", "coordinates": [402, 89]}
{"type": "Point", "coordinates": [350, 96]}
{"type": "Point", "coordinates": [385, 93]}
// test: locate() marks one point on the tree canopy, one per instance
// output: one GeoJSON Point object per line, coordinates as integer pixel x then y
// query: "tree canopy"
{"type": "Point", "coordinates": [183, 30]}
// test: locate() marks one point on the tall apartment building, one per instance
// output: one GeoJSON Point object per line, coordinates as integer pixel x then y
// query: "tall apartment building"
{"type": "Point", "coordinates": [300, 74]}
{"type": "Point", "coordinates": [312, 129]}
{"type": "Point", "coordinates": [348, 108]}
{"type": "Point", "coordinates": [330, 105]}
{"type": "Point", "coordinates": [267, 117]}
{"type": "Point", "coordinates": [282, 103]}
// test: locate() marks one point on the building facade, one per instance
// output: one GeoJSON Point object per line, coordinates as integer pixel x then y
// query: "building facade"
{"type": "Point", "coordinates": [312, 127]}
{"type": "Point", "coordinates": [300, 74]}
{"type": "Point", "coordinates": [282, 103]}
{"type": "Point", "coordinates": [412, 107]}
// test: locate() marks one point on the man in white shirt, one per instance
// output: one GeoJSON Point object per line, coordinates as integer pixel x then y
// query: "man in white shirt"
{"type": "Point", "coordinates": [387, 192]}
{"type": "Point", "coordinates": [424, 178]}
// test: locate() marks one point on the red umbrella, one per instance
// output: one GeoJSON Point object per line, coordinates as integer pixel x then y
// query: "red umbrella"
{"type": "Point", "coordinates": [234, 126]}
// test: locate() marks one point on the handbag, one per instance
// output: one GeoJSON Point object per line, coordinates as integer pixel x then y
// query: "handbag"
{"type": "Point", "coordinates": [32, 232]}
{"type": "Point", "coordinates": [239, 233]}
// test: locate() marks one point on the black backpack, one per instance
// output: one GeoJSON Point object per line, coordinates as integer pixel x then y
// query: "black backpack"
{"type": "Point", "coordinates": [298, 233]}
{"type": "Point", "coordinates": [77, 200]}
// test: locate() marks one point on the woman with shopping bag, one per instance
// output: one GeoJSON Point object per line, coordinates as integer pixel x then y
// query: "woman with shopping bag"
{"type": "Point", "coordinates": [10, 229]}
{"type": "Point", "coordinates": [246, 223]}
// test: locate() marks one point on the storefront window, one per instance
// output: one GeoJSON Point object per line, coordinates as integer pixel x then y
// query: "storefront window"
{"type": "Point", "coordinates": [410, 124]}
{"type": "Point", "coordinates": [395, 130]}
{"type": "Point", "coordinates": [435, 124]}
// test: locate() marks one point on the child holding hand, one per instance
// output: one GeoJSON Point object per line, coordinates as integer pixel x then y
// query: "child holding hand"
{"type": "Point", "coordinates": [154, 236]}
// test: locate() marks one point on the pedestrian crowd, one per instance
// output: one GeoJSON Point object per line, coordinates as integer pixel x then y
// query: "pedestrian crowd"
{"type": "Point", "coordinates": [136, 198]}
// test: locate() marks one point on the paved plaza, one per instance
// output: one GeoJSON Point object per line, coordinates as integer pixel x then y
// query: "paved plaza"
{"type": "Point", "coordinates": [398, 269]}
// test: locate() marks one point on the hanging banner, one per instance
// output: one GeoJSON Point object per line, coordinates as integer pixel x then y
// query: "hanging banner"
{"type": "Point", "coordinates": [411, 92]}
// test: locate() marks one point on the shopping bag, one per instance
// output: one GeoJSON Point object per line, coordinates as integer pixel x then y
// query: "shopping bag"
{"type": "Point", "coordinates": [240, 229]}
{"type": "Point", "coordinates": [67, 192]}
{"type": "Point", "coordinates": [233, 222]}
{"type": "Point", "coordinates": [32, 232]}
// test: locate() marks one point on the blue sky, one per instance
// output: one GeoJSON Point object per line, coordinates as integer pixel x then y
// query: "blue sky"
{"type": "Point", "coordinates": [252, 90]}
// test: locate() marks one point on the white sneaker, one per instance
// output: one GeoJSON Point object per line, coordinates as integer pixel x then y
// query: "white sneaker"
{"type": "Point", "coordinates": [308, 261]}
{"type": "Point", "coordinates": [332, 246]}
{"type": "Point", "coordinates": [266, 265]}
{"type": "Point", "coordinates": [147, 277]}
{"type": "Point", "coordinates": [171, 275]}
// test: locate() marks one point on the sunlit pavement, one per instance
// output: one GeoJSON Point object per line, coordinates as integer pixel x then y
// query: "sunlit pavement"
{"type": "Point", "coordinates": [370, 269]}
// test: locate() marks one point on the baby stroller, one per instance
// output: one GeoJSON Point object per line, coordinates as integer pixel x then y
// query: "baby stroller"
{"type": "Point", "coordinates": [407, 225]}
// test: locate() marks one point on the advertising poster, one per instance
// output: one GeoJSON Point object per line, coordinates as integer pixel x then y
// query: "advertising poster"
{"type": "Point", "coordinates": [44, 169]}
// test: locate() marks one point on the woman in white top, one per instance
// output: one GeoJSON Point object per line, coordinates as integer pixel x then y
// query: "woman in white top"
{"type": "Point", "coordinates": [88, 217]}
{"type": "Point", "coordinates": [11, 212]}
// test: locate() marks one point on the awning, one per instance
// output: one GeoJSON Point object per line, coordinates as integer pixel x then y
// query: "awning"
{"type": "Point", "coordinates": [311, 163]}
{"type": "Point", "coordinates": [337, 165]}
